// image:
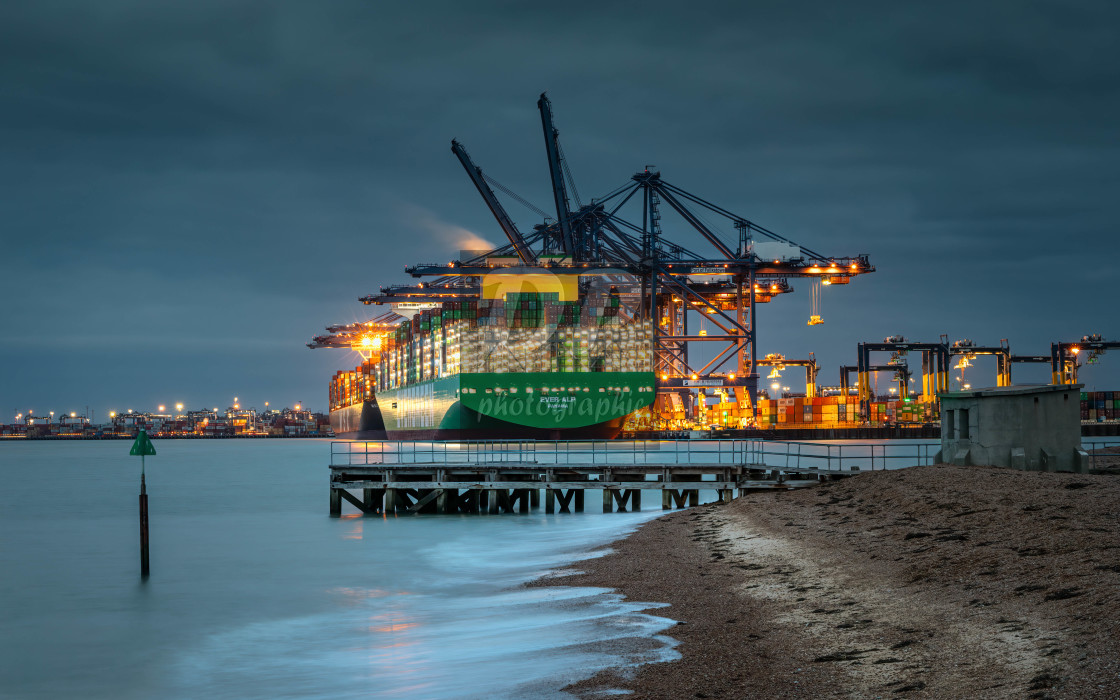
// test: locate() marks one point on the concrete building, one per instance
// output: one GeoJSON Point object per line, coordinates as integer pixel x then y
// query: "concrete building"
{"type": "Point", "coordinates": [1036, 428]}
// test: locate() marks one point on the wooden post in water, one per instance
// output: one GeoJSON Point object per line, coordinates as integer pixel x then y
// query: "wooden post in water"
{"type": "Point", "coordinates": [608, 501]}
{"type": "Point", "coordinates": [370, 501]}
{"type": "Point", "coordinates": [145, 571]}
{"type": "Point", "coordinates": [666, 500]}
{"type": "Point", "coordinates": [336, 503]}
{"type": "Point", "coordinates": [579, 500]}
{"type": "Point", "coordinates": [549, 501]}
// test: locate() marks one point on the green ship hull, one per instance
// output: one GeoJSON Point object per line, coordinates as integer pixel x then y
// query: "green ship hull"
{"type": "Point", "coordinates": [541, 405]}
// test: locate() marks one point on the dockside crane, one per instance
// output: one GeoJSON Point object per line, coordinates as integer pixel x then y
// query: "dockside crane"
{"type": "Point", "coordinates": [935, 366]}
{"type": "Point", "coordinates": [496, 208]}
{"type": "Point", "coordinates": [556, 173]}
{"type": "Point", "coordinates": [901, 370]}
{"type": "Point", "coordinates": [967, 351]}
{"type": "Point", "coordinates": [362, 337]}
{"type": "Point", "coordinates": [656, 279]}
{"type": "Point", "coordinates": [1064, 357]}
{"type": "Point", "coordinates": [778, 363]}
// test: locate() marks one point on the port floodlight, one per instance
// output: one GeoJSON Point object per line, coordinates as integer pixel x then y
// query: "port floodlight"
{"type": "Point", "coordinates": [775, 386]}
{"type": "Point", "coordinates": [162, 409]}
{"type": "Point", "coordinates": [73, 414]}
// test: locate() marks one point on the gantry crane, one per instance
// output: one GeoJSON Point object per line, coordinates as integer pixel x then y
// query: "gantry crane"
{"type": "Point", "coordinates": [967, 351]}
{"type": "Point", "coordinates": [656, 278]}
{"type": "Point", "coordinates": [363, 337]}
{"type": "Point", "coordinates": [901, 370]}
{"type": "Point", "coordinates": [935, 366]}
{"type": "Point", "coordinates": [777, 363]}
{"type": "Point", "coordinates": [1064, 356]}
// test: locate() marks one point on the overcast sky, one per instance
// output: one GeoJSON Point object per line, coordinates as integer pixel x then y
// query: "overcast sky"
{"type": "Point", "coordinates": [190, 191]}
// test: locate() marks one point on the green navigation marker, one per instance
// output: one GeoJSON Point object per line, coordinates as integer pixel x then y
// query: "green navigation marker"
{"type": "Point", "coordinates": [143, 445]}
{"type": "Point", "coordinates": [142, 448]}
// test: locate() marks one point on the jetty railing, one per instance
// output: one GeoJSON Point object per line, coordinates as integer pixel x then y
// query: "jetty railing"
{"type": "Point", "coordinates": [793, 456]}
{"type": "Point", "coordinates": [843, 456]}
{"type": "Point", "coordinates": [1097, 451]}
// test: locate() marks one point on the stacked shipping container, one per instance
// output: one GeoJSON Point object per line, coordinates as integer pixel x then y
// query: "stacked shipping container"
{"type": "Point", "coordinates": [523, 332]}
{"type": "Point", "coordinates": [1100, 406]}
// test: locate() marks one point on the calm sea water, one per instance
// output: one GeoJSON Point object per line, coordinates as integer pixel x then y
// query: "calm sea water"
{"type": "Point", "coordinates": [256, 593]}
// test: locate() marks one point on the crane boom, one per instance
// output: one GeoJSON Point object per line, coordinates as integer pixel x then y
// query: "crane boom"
{"type": "Point", "coordinates": [496, 207]}
{"type": "Point", "coordinates": [556, 171]}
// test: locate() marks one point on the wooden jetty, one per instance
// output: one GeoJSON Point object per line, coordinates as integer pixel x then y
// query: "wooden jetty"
{"type": "Point", "coordinates": [514, 476]}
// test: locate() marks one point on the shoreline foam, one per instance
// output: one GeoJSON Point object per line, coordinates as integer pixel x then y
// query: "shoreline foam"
{"type": "Point", "coordinates": [935, 581]}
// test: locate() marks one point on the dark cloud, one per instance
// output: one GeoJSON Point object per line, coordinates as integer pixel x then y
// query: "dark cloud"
{"type": "Point", "coordinates": [193, 190]}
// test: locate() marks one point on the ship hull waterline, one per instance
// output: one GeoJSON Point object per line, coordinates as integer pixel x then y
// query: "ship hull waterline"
{"type": "Point", "coordinates": [503, 407]}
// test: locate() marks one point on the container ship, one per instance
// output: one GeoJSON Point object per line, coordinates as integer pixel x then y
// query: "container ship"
{"type": "Point", "coordinates": [535, 356]}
